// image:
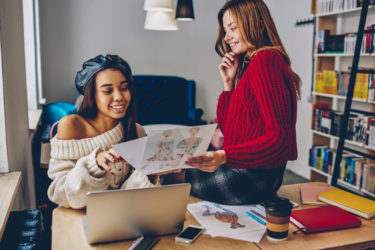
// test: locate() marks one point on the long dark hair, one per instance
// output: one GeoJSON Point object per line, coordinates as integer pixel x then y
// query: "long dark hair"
{"type": "Point", "coordinates": [258, 30]}
{"type": "Point", "coordinates": [88, 108]}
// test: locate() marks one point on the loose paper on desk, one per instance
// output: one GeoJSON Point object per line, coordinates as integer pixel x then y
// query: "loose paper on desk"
{"type": "Point", "coordinates": [166, 150]}
{"type": "Point", "coordinates": [227, 221]}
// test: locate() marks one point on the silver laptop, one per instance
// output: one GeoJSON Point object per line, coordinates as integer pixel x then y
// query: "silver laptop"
{"type": "Point", "coordinates": [125, 214]}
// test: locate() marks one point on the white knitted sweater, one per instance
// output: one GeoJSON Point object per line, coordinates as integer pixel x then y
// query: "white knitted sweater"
{"type": "Point", "coordinates": [74, 171]}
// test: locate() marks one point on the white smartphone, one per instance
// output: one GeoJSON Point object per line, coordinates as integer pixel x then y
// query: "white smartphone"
{"type": "Point", "coordinates": [189, 234]}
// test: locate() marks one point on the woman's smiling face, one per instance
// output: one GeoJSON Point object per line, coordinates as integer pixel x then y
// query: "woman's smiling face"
{"type": "Point", "coordinates": [233, 36]}
{"type": "Point", "coordinates": [112, 95]}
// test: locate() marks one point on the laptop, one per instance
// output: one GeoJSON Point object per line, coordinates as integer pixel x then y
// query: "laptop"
{"type": "Point", "coordinates": [126, 214]}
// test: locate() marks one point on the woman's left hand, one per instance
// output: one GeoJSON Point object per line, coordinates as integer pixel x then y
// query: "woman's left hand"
{"type": "Point", "coordinates": [208, 162]}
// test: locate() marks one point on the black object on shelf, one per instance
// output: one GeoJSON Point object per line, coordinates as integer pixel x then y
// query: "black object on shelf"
{"type": "Point", "coordinates": [349, 98]}
{"type": "Point", "coordinates": [307, 22]}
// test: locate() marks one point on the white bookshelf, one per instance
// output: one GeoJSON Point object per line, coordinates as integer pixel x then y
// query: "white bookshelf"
{"type": "Point", "coordinates": [349, 186]}
{"type": "Point", "coordinates": [358, 144]}
{"type": "Point", "coordinates": [339, 54]}
{"type": "Point", "coordinates": [341, 97]}
{"type": "Point", "coordinates": [367, 192]}
{"type": "Point", "coordinates": [341, 12]}
{"type": "Point", "coordinates": [322, 173]}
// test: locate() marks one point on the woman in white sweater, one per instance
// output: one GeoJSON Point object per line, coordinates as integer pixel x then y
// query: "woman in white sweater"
{"type": "Point", "coordinates": [81, 156]}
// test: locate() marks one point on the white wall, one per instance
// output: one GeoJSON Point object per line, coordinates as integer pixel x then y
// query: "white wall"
{"type": "Point", "coordinates": [75, 30]}
{"type": "Point", "coordinates": [298, 43]}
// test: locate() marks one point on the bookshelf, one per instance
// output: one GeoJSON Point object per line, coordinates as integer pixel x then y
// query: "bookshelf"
{"type": "Point", "coordinates": [340, 22]}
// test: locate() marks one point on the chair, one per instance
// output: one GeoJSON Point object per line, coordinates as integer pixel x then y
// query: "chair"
{"type": "Point", "coordinates": [166, 100]}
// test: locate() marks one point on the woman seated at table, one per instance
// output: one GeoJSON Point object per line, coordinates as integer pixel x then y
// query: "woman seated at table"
{"type": "Point", "coordinates": [81, 156]}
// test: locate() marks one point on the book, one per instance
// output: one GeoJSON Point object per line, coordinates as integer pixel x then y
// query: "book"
{"type": "Point", "coordinates": [320, 219]}
{"type": "Point", "coordinates": [350, 202]}
{"type": "Point", "coordinates": [310, 191]}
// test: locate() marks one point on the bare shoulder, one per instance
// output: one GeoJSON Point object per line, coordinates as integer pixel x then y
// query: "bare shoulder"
{"type": "Point", "coordinates": [71, 127]}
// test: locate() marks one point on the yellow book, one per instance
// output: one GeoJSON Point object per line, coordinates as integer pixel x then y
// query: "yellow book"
{"type": "Point", "coordinates": [350, 202]}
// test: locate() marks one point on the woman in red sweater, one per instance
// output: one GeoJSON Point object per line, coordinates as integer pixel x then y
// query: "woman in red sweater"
{"type": "Point", "coordinates": [256, 111]}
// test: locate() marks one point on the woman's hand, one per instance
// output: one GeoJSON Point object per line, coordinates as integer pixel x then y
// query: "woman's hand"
{"type": "Point", "coordinates": [104, 157]}
{"type": "Point", "coordinates": [208, 162]}
{"type": "Point", "coordinates": [228, 69]}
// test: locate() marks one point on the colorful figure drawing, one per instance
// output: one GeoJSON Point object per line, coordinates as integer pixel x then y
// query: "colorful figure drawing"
{"type": "Point", "coordinates": [164, 151]}
{"type": "Point", "coordinates": [190, 144]}
{"type": "Point", "coordinates": [227, 216]}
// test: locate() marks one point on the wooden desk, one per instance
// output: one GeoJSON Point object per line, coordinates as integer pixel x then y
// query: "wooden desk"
{"type": "Point", "coordinates": [68, 233]}
{"type": "Point", "coordinates": [354, 238]}
{"type": "Point", "coordinates": [9, 184]}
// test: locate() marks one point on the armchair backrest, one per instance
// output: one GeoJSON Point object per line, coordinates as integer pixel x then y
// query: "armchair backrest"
{"type": "Point", "coordinates": [165, 99]}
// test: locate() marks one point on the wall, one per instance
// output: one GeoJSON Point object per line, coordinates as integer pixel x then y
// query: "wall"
{"type": "Point", "coordinates": [15, 100]}
{"type": "Point", "coordinates": [298, 43]}
{"type": "Point", "coordinates": [72, 32]}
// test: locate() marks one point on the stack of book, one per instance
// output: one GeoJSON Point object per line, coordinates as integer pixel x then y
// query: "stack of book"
{"type": "Point", "coordinates": [322, 158]}
{"type": "Point", "coordinates": [337, 83]}
{"type": "Point", "coordinates": [350, 202]}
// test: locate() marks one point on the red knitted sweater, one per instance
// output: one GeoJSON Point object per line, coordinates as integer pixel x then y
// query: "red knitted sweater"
{"type": "Point", "coordinates": [258, 118]}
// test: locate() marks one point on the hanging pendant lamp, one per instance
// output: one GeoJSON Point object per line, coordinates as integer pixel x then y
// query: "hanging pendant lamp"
{"type": "Point", "coordinates": [185, 10]}
{"type": "Point", "coordinates": [160, 20]}
{"type": "Point", "coordinates": [158, 5]}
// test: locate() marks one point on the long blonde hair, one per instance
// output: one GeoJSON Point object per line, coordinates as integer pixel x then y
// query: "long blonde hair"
{"type": "Point", "coordinates": [259, 32]}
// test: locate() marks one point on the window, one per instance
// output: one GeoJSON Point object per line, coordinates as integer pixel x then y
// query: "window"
{"type": "Point", "coordinates": [3, 150]}
{"type": "Point", "coordinates": [32, 53]}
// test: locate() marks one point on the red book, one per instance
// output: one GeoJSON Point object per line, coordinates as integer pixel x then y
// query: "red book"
{"type": "Point", "coordinates": [319, 219]}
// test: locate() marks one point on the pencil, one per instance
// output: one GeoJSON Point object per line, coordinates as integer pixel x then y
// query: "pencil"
{"type": "Point", "coordinates": [258, 214]}
{"type": "Point", "coordinates": [255, 218]}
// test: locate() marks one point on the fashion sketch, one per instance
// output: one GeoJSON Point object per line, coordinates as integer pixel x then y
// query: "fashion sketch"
{"type": "Point", "coordinates": [188, 145]}
{"type": "Point", "coordinates": [226, 216]}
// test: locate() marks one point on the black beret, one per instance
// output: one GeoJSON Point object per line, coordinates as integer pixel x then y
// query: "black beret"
{"type": "Point", "coordinates": [94, 65]}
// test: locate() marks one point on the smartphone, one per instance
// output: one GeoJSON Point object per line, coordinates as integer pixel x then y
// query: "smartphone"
{"type": "Point", "coordinates": [189, 234]}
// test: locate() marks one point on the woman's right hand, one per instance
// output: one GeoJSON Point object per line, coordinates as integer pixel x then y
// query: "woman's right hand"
{"type": "Point", "coordinates": [228, 69]}
{"type": "Point", "coordinates": [104, 157]}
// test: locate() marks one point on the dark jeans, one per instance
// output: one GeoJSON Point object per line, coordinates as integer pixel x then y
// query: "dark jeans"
{"type": "Point", "coordinates": [235, 186]}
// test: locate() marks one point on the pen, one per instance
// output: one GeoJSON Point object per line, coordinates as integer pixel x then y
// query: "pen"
{"type": "Point", "coordinates": [258, 214]}
{"type": "Point", "coordinates": [255, 218]}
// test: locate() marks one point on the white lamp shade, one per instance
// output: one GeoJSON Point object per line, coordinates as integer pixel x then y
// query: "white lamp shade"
{"type": "Point", "coordinates": [159, 20]}
{"type": "Point", "coordinates": [158, 5]}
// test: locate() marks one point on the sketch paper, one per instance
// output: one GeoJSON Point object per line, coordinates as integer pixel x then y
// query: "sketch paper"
{"type": "Point", "coordinates": [164, 150]}
{"type": "Point", "coordinates": [227, 221]}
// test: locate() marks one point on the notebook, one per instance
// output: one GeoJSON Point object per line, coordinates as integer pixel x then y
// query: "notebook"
{"type": "Point", "coordinates": [310, 192]}
{"type": "Point", "coordinates": [350, 202]}
{"type": "Point", "coordinates": [326, 218]}
{"type": "Point", "coordinates": [125, 214]}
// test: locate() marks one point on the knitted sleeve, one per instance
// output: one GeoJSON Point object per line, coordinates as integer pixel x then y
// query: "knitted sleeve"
{"type": "Point", "coordinates": [267, 77]}
{"type": "Point", "coordinates": [72, 180]}
{"type": "Point", "coordinates": [222, 108]}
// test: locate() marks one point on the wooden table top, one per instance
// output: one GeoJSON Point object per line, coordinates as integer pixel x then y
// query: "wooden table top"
{"type": "Point", "coordinates": [9, 184]}
{"type": "Point", "coordinates": [68, 233]}
{"type": "Point", "coordinates": [354, 238]}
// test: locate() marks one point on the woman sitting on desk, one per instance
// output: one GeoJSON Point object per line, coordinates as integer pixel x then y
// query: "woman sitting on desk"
{"type": "Point", "coordinates": [256, 111]}
{"type": "Point", "coordinates": [81, 156]}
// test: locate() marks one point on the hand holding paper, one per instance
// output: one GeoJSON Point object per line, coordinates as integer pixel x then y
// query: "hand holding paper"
{"type": "Point", "coordinates": [167, 149]}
